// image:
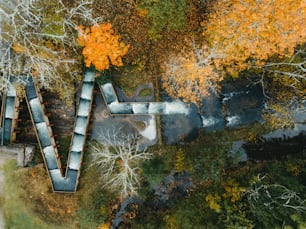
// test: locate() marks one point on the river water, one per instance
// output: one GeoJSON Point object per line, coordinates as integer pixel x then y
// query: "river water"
{"type": "Point", "coordinates": [240, 103]}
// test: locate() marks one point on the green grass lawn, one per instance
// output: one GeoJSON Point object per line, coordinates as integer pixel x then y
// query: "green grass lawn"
{"type": "Point", "coordinates": [28, 201]}
{"type": "Point", "coordinates": [17, 214]}
{"type": "Point", "coordinates": [129, 78]}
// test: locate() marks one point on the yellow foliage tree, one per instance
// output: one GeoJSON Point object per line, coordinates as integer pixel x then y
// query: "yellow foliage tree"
{"type": "Point", "coordinates": [179, 164]}
{"type": "Point", "coordinates": [104, 226]}
{"type": "Point", "coordinates": [246, 33]}
{"type": "Point", "coordinates": [213, 201]}
{"type": "Point", "coordinates": [232, 190]}
{"type": "Point", "coordinates": [191, 75]}
{"type": "Point", "coordinates": [101, 46]}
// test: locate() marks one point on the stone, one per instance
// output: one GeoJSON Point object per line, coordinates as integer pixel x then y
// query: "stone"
{"type": "Point", "coordinates": [20, 159]}
{"type": "Point", "coordinates": [29, 152]}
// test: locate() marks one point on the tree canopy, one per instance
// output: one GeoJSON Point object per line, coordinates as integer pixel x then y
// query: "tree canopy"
{"type": "Point", "coordinates": [101, 46]}
{"type": "Point", "coordinates": [247, 33]}
{"type": "Point", "coordinates": [37, 38]}
{"type": "Point", "coordinates": [164, 15]}
{"type": "Point", "coordinates": [191, 75]}
{"type": "Point", "coordinates": [262, 36]}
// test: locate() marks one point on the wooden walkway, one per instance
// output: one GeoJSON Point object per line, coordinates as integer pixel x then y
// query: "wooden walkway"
{"type": "Point", "coordinates": [67, 181]}
{"type": "Point", "coordinates": [61, 182]}
{"type": "Point", "coordinates": [116, 107]}
{"type": "Point", "coordinates": [9, 114]}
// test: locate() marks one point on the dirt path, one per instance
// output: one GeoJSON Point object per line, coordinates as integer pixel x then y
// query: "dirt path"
{"type": "Point", "coordinates": [4, 157]}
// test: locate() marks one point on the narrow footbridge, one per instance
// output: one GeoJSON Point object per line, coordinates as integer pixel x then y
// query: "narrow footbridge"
{"type": "Point", "coordinates": [9, 114]}
{"type": "Point", "coordinates": [68, 181]}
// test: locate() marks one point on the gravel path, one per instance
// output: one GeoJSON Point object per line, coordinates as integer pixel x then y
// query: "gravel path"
{"type": "Point", "coordinates": [3, 159]}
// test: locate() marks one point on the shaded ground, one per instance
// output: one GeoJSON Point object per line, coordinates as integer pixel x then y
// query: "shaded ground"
{"type": "Point", "coordinates": [60, 117]}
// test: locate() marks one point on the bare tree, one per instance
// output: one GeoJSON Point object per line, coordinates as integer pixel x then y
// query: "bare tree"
{"type": "Point", "coordinates": [38, 38]}
{"type": "Point", "coordinates": [286, 198]}
{"type": "Point", "coordinates": [273, 198]}
{"type": "Point", "coordinates": [283, 81]}
{"type": "Point", "coordinates": [119, 156]}
{"type": "Point", "coordinates": [293, 67]}
{"type": "Point", "coordinates": [192, 75]}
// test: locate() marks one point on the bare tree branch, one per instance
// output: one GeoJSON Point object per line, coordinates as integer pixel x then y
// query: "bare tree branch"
{"type": "Point", "coordinates": [267, 194]}
{"type": "Point", "coordinates": [29, 48]}
{"type": "Point", "coordinates": [119, 156]}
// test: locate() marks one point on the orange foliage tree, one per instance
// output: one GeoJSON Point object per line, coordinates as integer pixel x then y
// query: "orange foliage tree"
{"type": "Point", "coordinates": [191, 75]}
{"type": "Point", "coordinates": [246, 33]}
{"type": "Point", "coordinates": [101, 46]}
{"type": "Point", "coordinates": [267, 37]}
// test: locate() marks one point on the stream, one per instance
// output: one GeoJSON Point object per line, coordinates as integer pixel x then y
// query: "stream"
{"type": "Point", "coordinates": [240, 103]}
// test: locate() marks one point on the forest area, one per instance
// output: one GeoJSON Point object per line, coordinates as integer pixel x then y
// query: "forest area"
{"type": "Point", "coordinates": [188, 50]}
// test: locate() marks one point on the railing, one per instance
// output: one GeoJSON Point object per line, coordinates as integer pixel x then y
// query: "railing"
{"type": "Point", "coordinates": [9, 114]}
{"type": "Point", "coordinates": [139, 108]}
{"type": "Point", "coordinates": [69, 181]}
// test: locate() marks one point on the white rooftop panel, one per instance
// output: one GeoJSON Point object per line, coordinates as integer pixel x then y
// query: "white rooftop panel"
{"type": "Point", "coordinates": [77, 143]}
{"type": "Point", "coordinates": [87, 90]}
{"type": "Point", "coordinates": [80, 125]}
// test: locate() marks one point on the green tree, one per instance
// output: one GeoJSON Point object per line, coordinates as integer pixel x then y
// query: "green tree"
{"type": "Point", "coordinates": [164, 15]}
{"type": "Point", "coordinates": [274, 204]}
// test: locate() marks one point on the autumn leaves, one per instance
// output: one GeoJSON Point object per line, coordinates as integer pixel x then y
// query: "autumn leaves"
{"type": "Point", "coordinates": [101, 46]}
{"type": "Point", "coordinates": [236, 36]}
{"type": "Point", "coordinates": [241, 35]}
{"type": "Point", "coordinates": [246, 33]}
{"type": "Point", "coordinates": [191, 75]}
